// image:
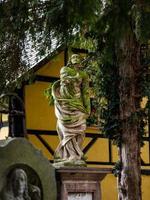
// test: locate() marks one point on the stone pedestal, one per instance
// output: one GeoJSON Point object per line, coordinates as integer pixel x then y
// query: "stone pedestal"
{"type": "Point", "coordinates": [80, 183]}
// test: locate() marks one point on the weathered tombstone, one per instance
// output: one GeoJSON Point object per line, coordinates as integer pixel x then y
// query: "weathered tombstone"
{"type": "Point", "coordinates": [25, 174]}
{"type": "Point", "coordinates": [80, 183]}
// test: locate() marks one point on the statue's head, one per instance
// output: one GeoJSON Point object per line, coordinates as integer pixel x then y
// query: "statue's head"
{"type": "Point", "coordinates": [75, 59]}
{"type": "Point", "coordinates": [19, 181]}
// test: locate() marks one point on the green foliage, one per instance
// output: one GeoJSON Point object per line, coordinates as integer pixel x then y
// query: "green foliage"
{"type": "Point", "coordinates": [48, 94]}
{"type": "Point", "coordinates": [37, 23]}
{"type": "Point", "coordinates": [145, 78]}
{"type": "Point", "coordinates": [108, 93]}
{"type": "Point", "coordinates": [117, 168]}
{"type": "Point", "coordinates": [141, 17]}
{"type": "Point", "coordinates": [92, 67]}
{"type": "Point", "coordinates": [16, 19]}
{"type": "Point", "coordinates": [96, 25]}
{"type": "Point", "coordinates": [83, 42]}
{"type": "Point", "coordinates": [116, 20]}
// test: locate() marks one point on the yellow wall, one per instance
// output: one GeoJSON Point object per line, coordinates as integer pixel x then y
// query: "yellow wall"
{"type": "Point", "coordinates": [109, 187]}
{"type": "Point", "coordinates": [52, 68]}
{"type": "Point", "coordinates": [4, 130]}
{"type": "Point", "coordinates": [145, 187]}
{"type": "Point", "coordinates": [40, 116]}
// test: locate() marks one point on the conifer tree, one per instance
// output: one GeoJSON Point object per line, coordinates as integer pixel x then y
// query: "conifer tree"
{"type": "Point", "coordinates": [118, 28]}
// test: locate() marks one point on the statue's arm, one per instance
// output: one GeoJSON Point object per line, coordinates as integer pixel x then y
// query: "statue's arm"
{"type": "Point", "coordinates": [85, 93]}
{"type": "Point", "coordinates": [68, 74]}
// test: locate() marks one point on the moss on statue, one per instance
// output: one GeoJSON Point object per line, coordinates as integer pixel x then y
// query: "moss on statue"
{"type": "Point", "coordinates": [72, 108]}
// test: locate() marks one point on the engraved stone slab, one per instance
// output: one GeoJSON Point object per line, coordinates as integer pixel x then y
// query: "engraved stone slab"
{"type": "Point", "coordinates": [80, 183]}
{"type": "Point", "coordinates": [80, 196]}
{"type": "Point", "coordinates": [22, 167]}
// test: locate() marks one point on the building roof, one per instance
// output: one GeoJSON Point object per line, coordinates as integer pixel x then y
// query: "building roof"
{"type": "Point", "coordinates": [46, 59]}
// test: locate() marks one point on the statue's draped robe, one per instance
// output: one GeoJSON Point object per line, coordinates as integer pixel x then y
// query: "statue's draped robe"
{"type": "Point", "coordinates": [72, 106]}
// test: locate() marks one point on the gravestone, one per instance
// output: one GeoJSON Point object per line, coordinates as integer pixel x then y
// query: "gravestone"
{"type": "Point", "coordinates": [25, 171]}
{"type": "Point", "coordinates": [80, 183]}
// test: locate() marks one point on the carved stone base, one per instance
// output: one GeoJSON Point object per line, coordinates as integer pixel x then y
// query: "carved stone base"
{"type": "Point", "coordinates": [80, 183]}
{"type": "Point", "coordinates": [70, 163]}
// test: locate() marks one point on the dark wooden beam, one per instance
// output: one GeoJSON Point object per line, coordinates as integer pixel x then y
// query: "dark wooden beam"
{"type": "Point", "coordinates": [95, 136]}
{"type": "Point", "coordinates": [16, 114]}
{"type": "Point", "coordinates": [46, 145]}
{"type": "Point", "coordinates": [145, 172]}
{"type": "Point", "coordinates": [41, 132]}
{"type": "Point", "coordinates": [54, 132]}
{"type": "Point", "coordinates": [46, 78]}
{"type": "Point", "coordinates": [77, 50]}
{"type": "Point", "coordinates": [110, 150]}
{"type": "Point", "coordinates": [65, 56]}
{"type": "Point", "coordinates": [89, 145]}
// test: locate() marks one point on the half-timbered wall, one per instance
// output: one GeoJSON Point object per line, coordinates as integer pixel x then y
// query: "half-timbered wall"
{"type": "Point", "coordinates": [41, 129]}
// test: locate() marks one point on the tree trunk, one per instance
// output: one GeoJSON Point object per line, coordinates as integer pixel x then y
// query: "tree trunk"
{"type": "Point", "coordinates": [129, 180]}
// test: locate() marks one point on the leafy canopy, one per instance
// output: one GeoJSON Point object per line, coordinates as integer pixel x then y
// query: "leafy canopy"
{"type": "Point", "coordinates": [34, 24]}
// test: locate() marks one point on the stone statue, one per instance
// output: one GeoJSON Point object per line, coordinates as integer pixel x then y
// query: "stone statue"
{"type": "Point", "coordinates": [72, 107]}
{"type": "Point", "coordinates": [17, 187]}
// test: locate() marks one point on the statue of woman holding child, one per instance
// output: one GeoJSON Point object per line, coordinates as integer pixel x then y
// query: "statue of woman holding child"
{"type": "Point", "coordinates": [72, 107]}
